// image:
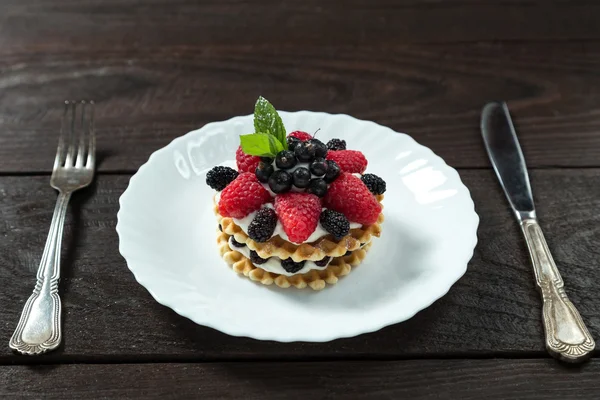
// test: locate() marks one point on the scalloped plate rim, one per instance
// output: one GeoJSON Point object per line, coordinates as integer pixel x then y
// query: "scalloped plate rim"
{"type": "Point", "coordinates": [441, 292]}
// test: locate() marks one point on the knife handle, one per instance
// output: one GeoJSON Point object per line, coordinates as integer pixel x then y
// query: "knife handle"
{"type": "Point", "coordinates": [567, 337]}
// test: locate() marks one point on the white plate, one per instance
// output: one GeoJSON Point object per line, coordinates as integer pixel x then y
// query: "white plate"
{"type": "Point", "coordinates": [167, 232]}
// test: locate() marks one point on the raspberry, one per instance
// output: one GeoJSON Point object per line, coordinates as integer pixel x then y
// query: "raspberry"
{"type": "Point", "coordinates": [219, 177]}
{"type": "Point", "coordinates": [336, 144]}
{"type": "Point", "coordinates": [242, 196]}
{"type": "Point", "coordinates": [301, 135]}
{"type": "Point", "coordinates": [299, 214]}
{"type": "Point", "coordinates": [263, 225]}
{"type": "Point", "coordinates": [375, 184]}
{"type": "Point", "coordinates": [349, 160]}
{"type": "Point", "coordinates": [350, 196]}
{"type": "Point", "coordinates": [245, 163]}
{"type": "Point", "coordinates": [290, 266]}
{"type": "Point", "coordinates": [335, 223]}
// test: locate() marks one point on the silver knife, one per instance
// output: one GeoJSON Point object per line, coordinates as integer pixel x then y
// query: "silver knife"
{"type": "Point", "coordinates": [567, 337]}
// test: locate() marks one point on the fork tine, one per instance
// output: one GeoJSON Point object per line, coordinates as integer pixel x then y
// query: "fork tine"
{"type": "Point", "coordinates": [82, 134]}
{"type": "Point", "coordinates": [91, 156]}
{"type": "Point", "coordinates": [60, 157]}
{"type": "Point", "coordinates": [71, 150]}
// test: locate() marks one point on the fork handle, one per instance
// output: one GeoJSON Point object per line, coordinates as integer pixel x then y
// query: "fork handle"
{"type": "Point", "coordinates": [567, 337]}
{"type": "Point", "coordinates": [39, 329]}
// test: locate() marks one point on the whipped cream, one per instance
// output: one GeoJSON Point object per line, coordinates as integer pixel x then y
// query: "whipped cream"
{"type": "Point", "coordinates": [273, 264]}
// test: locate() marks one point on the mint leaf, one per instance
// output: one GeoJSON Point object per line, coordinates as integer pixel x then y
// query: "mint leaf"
{"type": "Point", "coordinates": [260, 144]}
{"type": "Point", "coordinates": [276, 145]}
{"type": "Point", "coordinates": [266, 119]}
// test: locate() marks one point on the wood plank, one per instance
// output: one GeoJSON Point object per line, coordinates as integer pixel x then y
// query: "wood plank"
{"type": "Point", "coordinates": [494, 310]}
{"type": "Point", "coordinates": [139, 23]}
{"type": "Point", "coordinates": [416, 379]}
{"type": "Point", "coordinates": [150, 95]}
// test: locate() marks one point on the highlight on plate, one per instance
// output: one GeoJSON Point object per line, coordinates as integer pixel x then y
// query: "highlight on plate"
{"type": "Point", "coordinates": [297, 211]}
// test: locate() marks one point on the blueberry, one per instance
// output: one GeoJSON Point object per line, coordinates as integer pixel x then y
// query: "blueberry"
{"type": "Point", "coordinates": [318, 187]}
{"type": "Point", "coordinates": [320, 147]}
{"type": "Point", "coordinates": [264, 171]}
{"type": "Point", "coordinates": [280, 181]}
{"type": "Point", "coordinates": [267, 160]}
{"type": "Point", "coordinates": [318, 167]}
{"type": "Point", "coordinates": [333, 171]}
{"type": "Point", "coordinates": [301, 177]}
{"type": "Point", "coordinates": [285, 159]}
{"type": "Point", "coordinates": [304, 152]}
{"type": "Point", "coordinates": [292, 142]}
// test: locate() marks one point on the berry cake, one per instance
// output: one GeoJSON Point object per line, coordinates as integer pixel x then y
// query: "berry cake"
{"type": "Point", "coordinates": [296, 212]}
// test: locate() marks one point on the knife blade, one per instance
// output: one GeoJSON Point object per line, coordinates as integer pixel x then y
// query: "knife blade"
{"type": "Point", "coordinates": [567, 337]}
{"type": "Point", "coordinates": [504, 150]}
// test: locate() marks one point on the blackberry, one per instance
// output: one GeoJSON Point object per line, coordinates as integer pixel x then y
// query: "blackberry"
{"type": "Point", "coordinates": [320, 148]}
{"type": "Point", "coordinates": [292, 141]}
{"type": "Point", "coordinates": [291, 266]}
{"type": "Point", "coordinates": [317, 186]}
{"type": "Point", "coordinates": [236, 243]}
{"type": "Point", "coordinates": [280, 181]}
{"type": "Point", "coordinates": [375, 184]}
{"type": "Point", "coordinates": [256, 259]}
{"type": "Point", "coordinates": [263, 225]}
{"type": "Point", "coordinates": [264, 171]}
{"type": "Point", "coordinates": [333, 171]}
{"type": "Point", "coordinates": [335, 223]}
{"type": "Point", "coordinates": [219, 177]}
{"type": "Point", "coordinates": [304, 152]}
{"type": "Point", "coordinates": [301, 177]}
{"type": "Point", "coordinates": [285, 159]}
{"type": "Point", "coordinates": [336, 144]}
{"type": "Point", "coordinates": [323, 262]}
{"type": "Point", "coordinates": [318, 167]}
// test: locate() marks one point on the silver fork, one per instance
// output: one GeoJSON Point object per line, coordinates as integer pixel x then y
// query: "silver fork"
{"type": "Point", "coordinates": [39, 329]}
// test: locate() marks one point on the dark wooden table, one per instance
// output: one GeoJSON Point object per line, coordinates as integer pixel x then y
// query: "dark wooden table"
{"type": "Point", "coordinates": [160, 68]}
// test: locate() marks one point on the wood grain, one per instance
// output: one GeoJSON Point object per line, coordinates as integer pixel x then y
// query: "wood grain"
{"type": "Point", "coordinates": [158, 69]}
{"type": "Point", "coordinates": [417, 379]}
{"type": "Point", "coordinates": [139, 23]}
{"type": "Point", "coordinates": [421, 67]}
{"type": "Point", "coordinates": [494, 310]}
